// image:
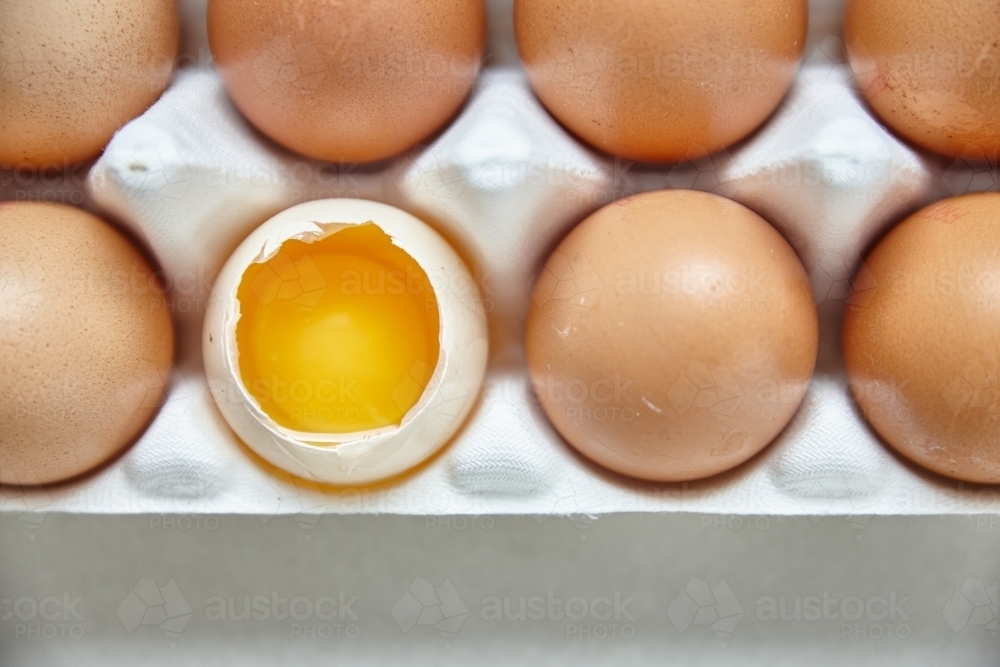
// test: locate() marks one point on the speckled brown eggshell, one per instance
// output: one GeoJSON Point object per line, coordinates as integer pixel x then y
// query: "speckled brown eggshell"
{"type": "Point", "coordinates": [672, 335]}
{"type": "Point", "coordinates": [348, 81]}
{"type": "Point", "coordinates": [87, 342]}
{"type": "Point", "coordinates": [75, 72]}
{"type": "Point", "coordinates": [661, 81]}
{"type": "Point", "coordinates": [922, 338]}
{"type": "Point", "coordinates": [931, 70]}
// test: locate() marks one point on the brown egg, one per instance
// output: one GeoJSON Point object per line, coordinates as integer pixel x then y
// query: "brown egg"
{"type": "Point", "coordinates": [87, 342]}
{"type": "Point", "coordinates": [352, 80]}
{"type": "Point", "coordinates": [72, 73]}
{"type": "Point", "coordinates": [672, 335]}
{"type": "Point", "coordinates": [922, 338]}
{"type": "Point", "coordinates": [931, 70]}
{"type": "Point", "coordinates": [661, 81]}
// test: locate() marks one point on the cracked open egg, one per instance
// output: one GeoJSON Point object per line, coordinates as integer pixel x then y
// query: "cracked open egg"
{"type": "Point", "coordinates": [345, 341]}
{"type": "Point", "coordinates": [672, 335]}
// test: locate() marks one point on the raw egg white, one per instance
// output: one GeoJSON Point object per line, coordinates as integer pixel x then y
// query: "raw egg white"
{"type": "Point", "coordinates": [672, 335]}
{"type": "Point", "coordinates": [345, 341]}
{"type": "Point", "coordinates": [922, 337]}
{"type": "Point", "coordinates": [86, 342]}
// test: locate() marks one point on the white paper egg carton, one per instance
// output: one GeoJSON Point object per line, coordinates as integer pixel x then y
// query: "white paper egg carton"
{"type": "Point", "coordinates": [504, 182]}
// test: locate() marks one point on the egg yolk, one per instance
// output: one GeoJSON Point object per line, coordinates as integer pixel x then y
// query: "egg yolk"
{"type": "Point", "coordinates": [339, 335]}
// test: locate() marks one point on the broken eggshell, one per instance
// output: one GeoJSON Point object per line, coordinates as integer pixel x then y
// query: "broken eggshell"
{"type": "Point", "coordinates": [364, 457]}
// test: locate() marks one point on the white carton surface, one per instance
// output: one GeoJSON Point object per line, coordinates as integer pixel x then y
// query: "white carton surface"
{"type": "Point", "coordinates": [504, 182]}
{"type": "Point", "coordinates": [707, 590]}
